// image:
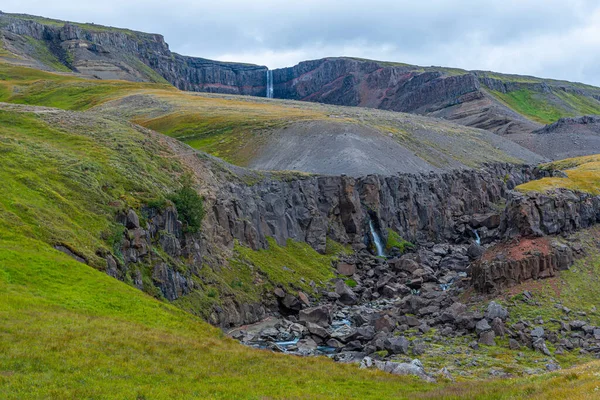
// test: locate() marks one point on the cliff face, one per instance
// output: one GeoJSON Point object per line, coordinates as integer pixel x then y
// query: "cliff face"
{"type": "Point", "coordinates": [110, 53]}
{"type": "Point", "coordinates": [421, 208]}
{"type": "Point", "coordinates": [472, 98]}
{"type": "Point", "coordinates": [435, 207]}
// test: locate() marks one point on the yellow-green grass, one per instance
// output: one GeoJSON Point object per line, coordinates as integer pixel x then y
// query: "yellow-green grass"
{"type": "Point", "coordinates": [236, 128]}
{"type": "Point", "coordinates": [64, 176]}
{"type": "Point", "coordinates": [229, 128]}
{"type": "Point", "coordinates": [583, 174]}
{"type": "Point", "coordinates": [23, 85]}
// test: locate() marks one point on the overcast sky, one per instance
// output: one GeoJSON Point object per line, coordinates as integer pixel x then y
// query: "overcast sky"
{"type": "Point", "coordinates": [547, 38]}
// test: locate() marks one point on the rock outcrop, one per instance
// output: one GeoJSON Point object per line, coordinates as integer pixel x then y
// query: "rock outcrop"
{"type": "Point", "coordinates": [466, 97]}
{"type": "Point", "coordinates": [509, 265]}
{"type": "Point", "coordinates": [554, 213]}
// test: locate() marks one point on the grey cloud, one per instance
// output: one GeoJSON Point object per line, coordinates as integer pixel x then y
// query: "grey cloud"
{"type": "Point", "coordinates": [471, 34]}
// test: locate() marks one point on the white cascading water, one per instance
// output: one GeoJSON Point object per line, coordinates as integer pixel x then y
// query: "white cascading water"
{"type": "Point", "coordinates": [477, 238]}
{"type": "Point", "coordinates": [269, 84]}
{"type": "Point", "coordinates": [376, 240]}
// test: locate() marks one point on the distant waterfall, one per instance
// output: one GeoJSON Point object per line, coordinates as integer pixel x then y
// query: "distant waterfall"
{"type": "Point", "coordinates": [269, 84]}
{"type": "Point", "coordinates": [376, 240]}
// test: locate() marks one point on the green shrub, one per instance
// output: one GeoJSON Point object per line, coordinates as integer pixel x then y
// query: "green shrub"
{"type": "Point", "coordinates": [189, 205]}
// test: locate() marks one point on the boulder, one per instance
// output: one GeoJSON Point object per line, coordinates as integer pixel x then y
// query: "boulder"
{"type": "Point", "coordinates": [397, 345]}
{"type": "Point", "coordinates": [495, 310]}
{"type": "Point", "coordinates": [482, 326]}
{"type": "Point", "coordinates": [291, 303]}
{"type": "Point", "coordinates": [346, 294]}
{"type": "Point", "coordinates": [540, 345]}
{"type": "Point", "coordinates": [487, 338]}
{"type": "Point", "coordinates": [385, 323]}
{"type": "Point", "coordinates": [346, 269]}
{"type": "Point", "coordinates": [537, 333]}
{"type": "Point", "coordinates": [319, 315]}
{"type": "Point", "coordinates": [317, 330]}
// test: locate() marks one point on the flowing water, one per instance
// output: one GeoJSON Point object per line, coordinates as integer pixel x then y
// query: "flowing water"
{"type": "Point", "coordinates": [269, 84]}
{"type": "Point", "coordinates": [477, 238]}
{"type": "Point", "coordinates": [376, 240]}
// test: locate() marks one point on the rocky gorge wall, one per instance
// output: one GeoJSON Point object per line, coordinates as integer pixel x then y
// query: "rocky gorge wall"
{"type": "Point", "coordinates": [435, 207]}
{"type": "Point", "coordinates": [421, 208]}
{"type": "Point", "coordinates": [554, 213]}
{"type": "Point", "coordinates": [530, 218]}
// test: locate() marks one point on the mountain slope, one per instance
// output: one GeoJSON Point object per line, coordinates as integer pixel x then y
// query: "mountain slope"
{"type": "Point", "coordinates": [497, 102]}
{"type": "Point", "coordinates": [113, 53]}
{"type": "Point", "coordinates": [501, 103]}
{"type": "Point", "coordinates": [259, 132]}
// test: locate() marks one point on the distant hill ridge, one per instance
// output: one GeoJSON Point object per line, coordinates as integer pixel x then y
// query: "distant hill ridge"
{"type": "Point", "coordinates": [503, 104]}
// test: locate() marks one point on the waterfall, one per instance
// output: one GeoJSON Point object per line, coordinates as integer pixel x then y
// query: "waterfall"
{"type": "Point", "coordinates": [376, 239]}
{"type": "Point", "coordinates": [477, 238]}
{"type": "Point", "coordinates": [269, 84]}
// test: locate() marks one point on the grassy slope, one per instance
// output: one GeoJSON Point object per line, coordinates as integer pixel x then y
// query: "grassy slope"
{"type": "Point", "coordinates": [540, 108]}
{"type": "Point", "coordinates": [583, 174]}
{"type": "Point", "coordinates": [71, 332]}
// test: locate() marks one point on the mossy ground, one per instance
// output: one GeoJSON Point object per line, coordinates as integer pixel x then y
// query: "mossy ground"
{"type": "Point", "coordinates": [394, 241]}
